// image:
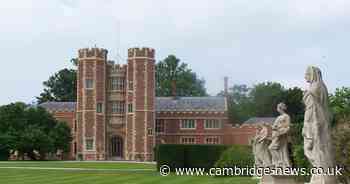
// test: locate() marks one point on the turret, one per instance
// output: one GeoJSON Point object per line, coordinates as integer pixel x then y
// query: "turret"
{"type": "Point", "coordinates": [91, 103]}
{"type": "Point", "coordinates": [141, 106]}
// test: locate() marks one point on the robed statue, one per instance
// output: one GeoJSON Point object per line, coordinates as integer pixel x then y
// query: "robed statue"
{"type": "Point", "coordinates": [279, 143]}
{"type": "Point", "coordinates": [316, 130]}
{"type": "Point", "coordinates": [260, 147]}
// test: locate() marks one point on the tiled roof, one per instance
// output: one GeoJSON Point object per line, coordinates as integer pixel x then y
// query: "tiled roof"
{"type": "Point", "coordinates": [162, 104]}
{"type": "Point", "coordinates": [59, 106]}
{"type": "Point", "coordinates": [255, 120]}
{"type": "Point", "coordinates": [190, 104]}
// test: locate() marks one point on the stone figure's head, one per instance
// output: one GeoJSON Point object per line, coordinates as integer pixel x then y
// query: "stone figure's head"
{"type": "Point", "coordinates": [281, 108]}
{"type": "Point", "coordinates": [259, 127]}
{"type": "Point", "coordinates": [313, 74]}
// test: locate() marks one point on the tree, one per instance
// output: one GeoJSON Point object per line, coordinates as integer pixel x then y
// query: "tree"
{"type": "Point", "coordinates": [340, 103]}
{"type": "Point", "coordinates": [32, 131]}
{"type": "Point", "coordinates": [265, 97]}
{"type": "Point", "coordinates": [341, 140]}
{"type": "Point", "coordinates": [5, 145]}
{"type": "Point", "coordinates": [61, 134]}
{"type": "Point", "coordinates": [293, 98]}
{"type": "Point", "coordinates": [60, 87]}
{"type": "Point", "coordinates": [171, 70]}
{"type": "Point", "coordinates": [239, 103]}
{"type": "Point", "coordinates": [340, 106]}
{"type": "Point", "coordinates": [261, 100]}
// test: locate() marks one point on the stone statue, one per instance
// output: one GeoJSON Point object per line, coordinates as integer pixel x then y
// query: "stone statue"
{"type": "Point", "coordinates": [260, 147]}
{"type": "Point", "coordinates": [279, 144]}
{"type": "Point", "coordinates": [316, 130]}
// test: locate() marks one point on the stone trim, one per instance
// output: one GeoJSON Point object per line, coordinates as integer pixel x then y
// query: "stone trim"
{"type": "Point", "coordinates": [196, 118]}
{"type": "Point", "coordinates": [145, 106]}
{"type": "Point", "coordinates": [194, 134]}
{"type": "Point", "coordinates": [191, 112]}
{"type": "Point", "coordinates": [141, 57]}
{"type": "Point", "coordinates": [134, 82]}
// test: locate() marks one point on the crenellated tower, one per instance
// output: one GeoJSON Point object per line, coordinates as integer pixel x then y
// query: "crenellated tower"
{"type": "Point", "coordinates": [141, 104]}
{"type": "Point", "coordinates": [91, 103]}
{"type": "Point", "coordinates": [115, 105]}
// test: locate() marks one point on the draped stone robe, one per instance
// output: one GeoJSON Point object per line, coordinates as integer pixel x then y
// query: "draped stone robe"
{"type": "Point", "coordinates": [260, 148]}
{"type": "Point", "coordinates": [279, 144]}
{"type": "Point", "coordinates": [316, 130]}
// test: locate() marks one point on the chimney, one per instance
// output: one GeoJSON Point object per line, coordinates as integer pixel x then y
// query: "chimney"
{"type": "Point", "coordinates": [226, 86]}
{"type": "Point", "coordinates": [173, 88]}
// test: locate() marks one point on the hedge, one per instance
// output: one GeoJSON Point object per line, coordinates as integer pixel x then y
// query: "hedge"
{"type": "Point", "coordinates": [237, 155]}
{"type": "Point", "coordinates": [188, 156]}
{"type": "Point", "coordinates": [4, 155]}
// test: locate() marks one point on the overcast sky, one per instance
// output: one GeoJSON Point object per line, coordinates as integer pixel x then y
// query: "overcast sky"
{"type": "Point", "coordinates": [248, 41]}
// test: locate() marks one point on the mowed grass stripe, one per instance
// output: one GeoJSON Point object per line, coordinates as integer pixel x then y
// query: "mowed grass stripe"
{"type": "Point", "coordinates": [94, 165]}
{"type": "Point", "coordinates": [24, 177]}
{"type": "Point", "coordinates": [17, 174]}
{"type": "Point", "coordinates": [36, 176]}
{"type": "Point", "coordinates": [80, 169]}
{"type": "Point", "coordinates": [29, 176]}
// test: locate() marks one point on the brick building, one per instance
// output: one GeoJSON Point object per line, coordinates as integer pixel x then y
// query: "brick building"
{"type": "Point", "coordinates": [117, 116]}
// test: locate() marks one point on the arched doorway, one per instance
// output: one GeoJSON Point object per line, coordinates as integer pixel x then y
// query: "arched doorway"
{"type": "Point", "coordinates": [116, 148]}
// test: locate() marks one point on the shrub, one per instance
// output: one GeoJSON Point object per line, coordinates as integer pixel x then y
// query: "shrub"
{"type": "Point", "coordinates": [188, 156]}
{"type": "Point", "coordinates": [237, 155]}
{"type": "Point", "coordinates": [342, 152]}
{"type": "Point", "coordinates": [203, 156]}
{"type": "Point", "coordinates": [79, 156]}
{"type": "Point", "coordinates": [300, 161]}
{"type": "Point", "coordinates": [4, 154]}
{"type": "Point", "coordinates": [170, 155]}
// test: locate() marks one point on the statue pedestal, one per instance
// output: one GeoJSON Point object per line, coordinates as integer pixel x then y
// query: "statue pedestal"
{"type": "Point", "coordinates": [278, 179]}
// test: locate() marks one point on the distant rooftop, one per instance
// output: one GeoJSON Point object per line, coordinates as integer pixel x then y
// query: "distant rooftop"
{"type": "Point", "coordinates": [59, 106]}
{"type": "Point", "coordinates": [210, 103]}
{"type": "Point", "coordinates": [163, 104]}
{"type": "Point", "coordinates": [257, 120]}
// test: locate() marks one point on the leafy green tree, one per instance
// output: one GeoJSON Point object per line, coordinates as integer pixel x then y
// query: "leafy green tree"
{"type": "Point", "coordinates": [265, 97]}
{"type": "Point", "coordinates": [171, 70]}
{"type": "Point", "coordinates": [32, 131]}
{"type": "Point", "coordinates": [341, 137]}
{"type": "Point", "coordinates": [239, 103]}
{"type": "Point", "coordinates": [12, 119]}
{"type": "Point", "coordinates": [340, 103]}
{"type": "Point", "coordinates": [261, 100]}
{"type": "Point", "coordinates": [61, 134]}
{"type": "Point", "coordinates": [60, 87]}
{"type": "Point", "coordinates": [5, 145]}
{"type": "Point", "coordinates": [293, 98]}
{"type": "Point", "coordinates": [34, 142]}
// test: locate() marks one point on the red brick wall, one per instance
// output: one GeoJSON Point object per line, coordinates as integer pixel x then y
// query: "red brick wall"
{"type": "Point", "coordinates": [69, 118]}
{"type": "Point", "coordinates": [173, 132]}
{"type": "Point", "coordinates": [141, 95]}
{"type": "Point", "coordinates": [239, 135]}
{"type": "Point", "coordinates": [140, 72]}
{"type": "Point", "coordinates": [228, 134]}
{"type": "Point", "coordinates": [91, 65]}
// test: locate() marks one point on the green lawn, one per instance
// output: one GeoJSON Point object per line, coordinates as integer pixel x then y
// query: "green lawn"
{"type": "Point", "coordinates": [147, 174]}
{"type": "Point", "coordinates": [91, 165]}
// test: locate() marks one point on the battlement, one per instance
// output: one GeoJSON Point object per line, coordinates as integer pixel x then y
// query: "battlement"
{"type": "Point", "coordinates": [93, 52]}
{"type": "Point", "coordinates": [118, 68]}
{"type": "Point", "coordinates": [141, 52]}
